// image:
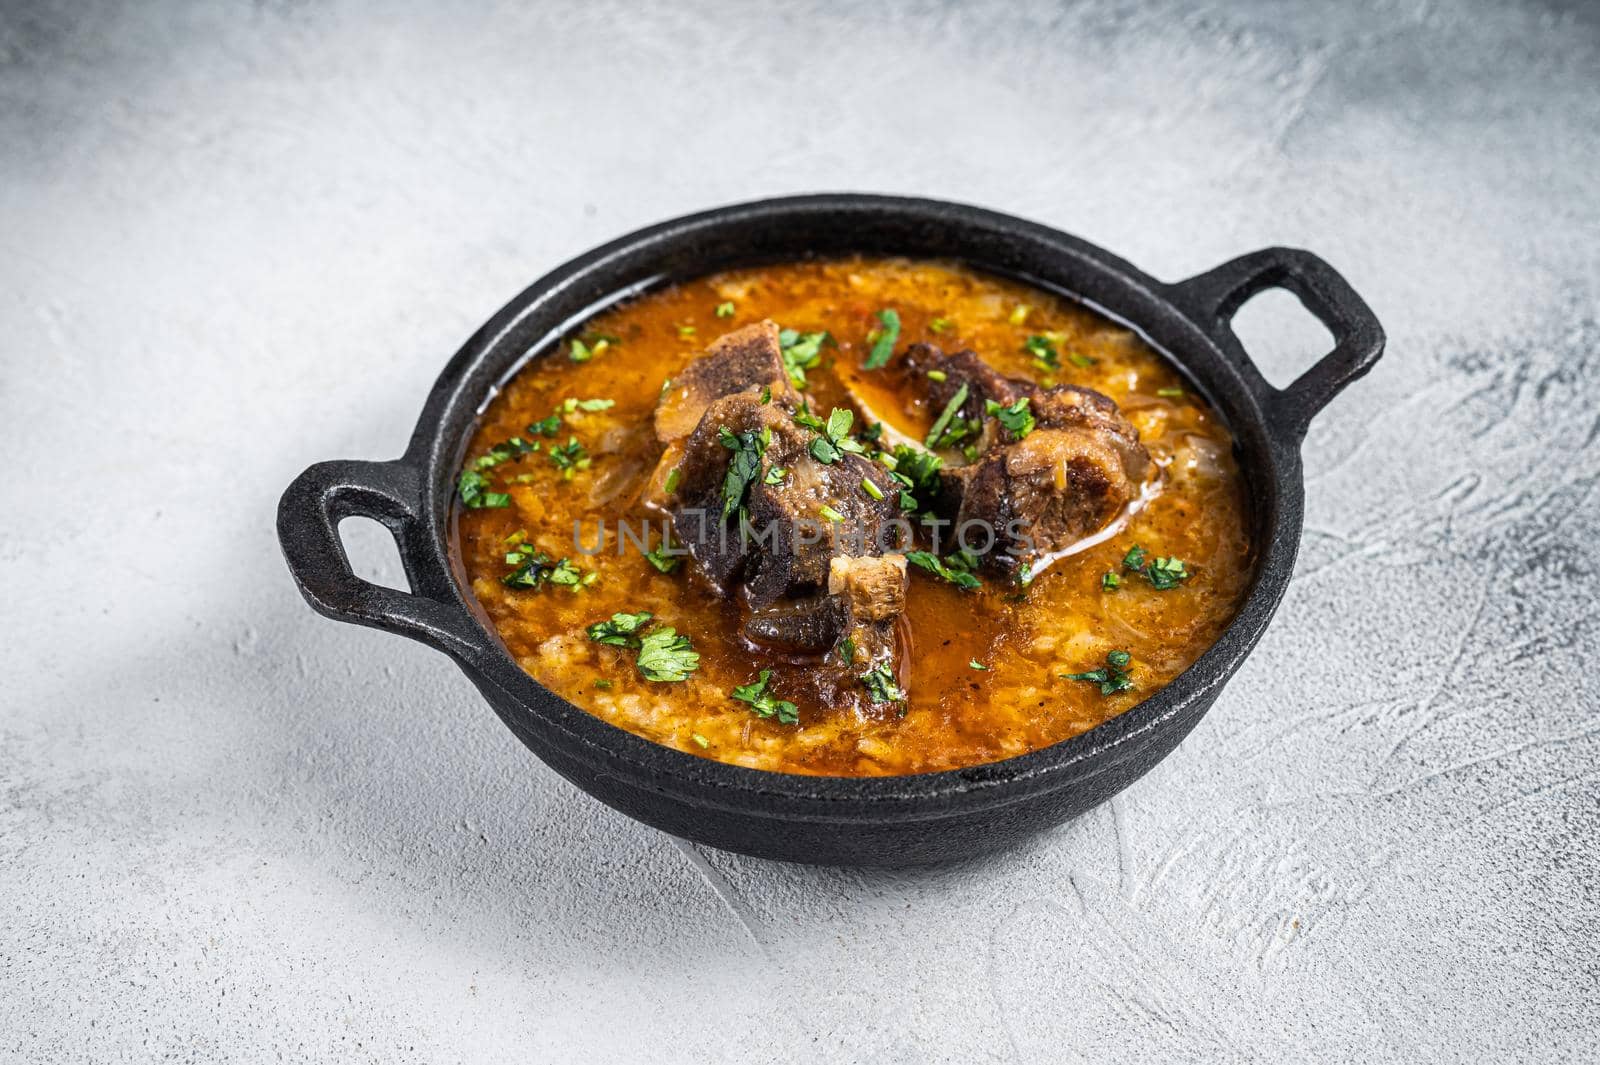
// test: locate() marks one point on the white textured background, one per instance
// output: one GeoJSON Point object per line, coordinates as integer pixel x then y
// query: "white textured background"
{"type": "Point", "coordinates": [236, 239]}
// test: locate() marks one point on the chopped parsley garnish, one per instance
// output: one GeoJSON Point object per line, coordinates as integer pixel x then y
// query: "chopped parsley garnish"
{"type": "Point", "coordinates": [663, 654]}
{"type": "Point", "coordinates": [766, 394]}
{"type": "Point", "coordinates": [918, 471]}
{"type": "Point", "coordinates": [847, 651]}
{"type": "Point", "coordinates": [801, 352]}
{"type": "Point", "coordinates": [580, 351]}
{"type": "Point", "coordinates": [602, 684]}
{"type": "Point", "coordinates": [803, 417]}
{"type": "Point", "coordinates": [747, 448]}
{"type": "Point", "coordinates": [474, 491]}
{"type": "Point", "coordinates": [775, 475]}
{"type": "Point", "coordinates": [956, 568]}
{"type": "Point", "coordinates": [535, 569]}
{"type": "Point", "coordinates": [666, 656]}
{"type": "Point", "coordinates": [1043, 352]}
{"type": "Point", "coordinates": [888, 337]}
{"type": "Point", "coordinates": [1017, 419]}
{"type": "Point", "coordinates": [725, 309]}
{"type": "Point", "coordinates": [587, 405]}
{"type": "Point", "coordinates": [570, 457]}
{"type": "Point", "coordinates": [881, 686]}
{"type": "Point", "coordinates": [949, 429]}
{"type": "Point", "coordinates": [938, 325]}
{"type": "Point", "coordinates": [764, 703]}
{"type": "Point", "coordinates": [973, 663]}
{"type": "Point", "coordinates": [548, 427]}
{"type": "Point", "coordinates": [1110, 582]}
{"type": "Point", "coordinates": [620, 630]}
{"type": "Point", "coordinates": [1164, 574]}
{"type": "Point", "coordinates": [514, 448]}
{"type": "Point", "coordinates": [1082, 362]}
{"type": "Point", "coordinates": [665, 556]}
{"type": "Point", "coordinates": [1112, 677]}
{"type": "Point", "coordinates": [947, 415]}
{"type": "Point", "coordinates": [835, 439]}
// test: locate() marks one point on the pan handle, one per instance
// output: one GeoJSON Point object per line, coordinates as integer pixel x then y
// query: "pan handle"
{"type": "Point", "coordinates": [1211, 299]}
{"type": "Point", "coordinates": [390, 493]}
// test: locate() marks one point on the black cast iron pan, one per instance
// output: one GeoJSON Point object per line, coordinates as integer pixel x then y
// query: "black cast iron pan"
{"type": "Point", "coordinates": [903, 820]}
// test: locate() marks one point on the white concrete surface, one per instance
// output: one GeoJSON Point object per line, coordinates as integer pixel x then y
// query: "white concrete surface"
{"type": "Point", "coordinates": [238, 239]}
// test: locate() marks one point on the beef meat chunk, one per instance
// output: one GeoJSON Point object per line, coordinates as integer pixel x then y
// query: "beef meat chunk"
{"type": "Point", "coordinates": [983, 381]}
{"type": "Point", "coordinates": [736, 362]}
{"type": "Point", "coordinates": [873, 593]}
{"type": "Point", "coordinates": [809, 627]}
{"type": "Point", "coordinates": [745, 523]}
{"type": "Point", "coordinates": [1072, 407]}
{"type": "Point", "coordinates": [1045, 492]}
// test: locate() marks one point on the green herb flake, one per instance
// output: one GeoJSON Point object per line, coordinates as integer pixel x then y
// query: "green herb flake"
{"type": "Point", "coordinates": [1043, 351]}
{"type": "Point", "coordinates": [871, 489]}
{"type": "Point", "coordinates": [1082, 362]}
{"type": "Point", "coordinates": [532, 568]}
{"type": "Point", "coordinates": [665, 557]}
{"type": "Point", "coordinates": [1109, 581]}
{"type": "Point", "coordinates": [879, 681]}
{"type": "Point", "coordinates": [830, 514]}
{"type": "Point", "coordinates": [1019, 314]}
{"type": "Point", "coordinates": [602, 684]}
{"type": "Point", "coordinates": [1112, 677]}
{"type": "Point", "coordinates": [775, 475]}
{"type": "Point", "coordinates": [973, 663]}
{"type": "Point", "coordinates": [1016, 418]}
{"type": "Point", "coordinates": [801, 352]}
{"type": "Point", "coordinates": [938, 325]}
{"type": "Point", "coordinates": [666, 656]}
{"type": "Point", "coordinates": [945, 416]}
{"type": "Point", "coordinates": [918, 471]}
{"type": "Point", "coordinates": [686, 332]}
{"type": "Point", "coordinates": [1164, 574]}
{"type": "Point", "coordinates": [725, 309]}
{"type": "Point", "coordinates": [700, 741]}
{"type": "Point", "coordinates": [619, 630]}
{"type": "Point", "coordinates": [578, 351]}
{"type": "Point", "coordinates": [473, 487]}
{"type": "Point", "coordinates": [570, 457]}
{"type": "Point", "coordinates": [835, 439]}
{"type": "Point", "coordinates": [956, 568]}
{"type": "Point", "coordinates": [763, 703]}
{"type": "Point", "coordinates": [888, 337]}
{"type": "Point", "coordinates": [1170, 393]}
{"type": "Point", "coordinates": [548, 427]}
{"type": "Point", "coordinates": [747, 448]}
{"type": "Point", "coordinates": [589, 406]}
{"type": "Point", "coordinates": [674, 477]}
{"type": "Point", "coordinates": [938, 375]}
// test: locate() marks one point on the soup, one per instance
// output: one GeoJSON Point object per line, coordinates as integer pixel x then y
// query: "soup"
{"type": "Point", "coordinates": [853, 517]}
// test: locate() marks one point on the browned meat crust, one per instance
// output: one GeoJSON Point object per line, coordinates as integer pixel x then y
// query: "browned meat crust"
{"type": "Point", "coordinates": [745, 358]}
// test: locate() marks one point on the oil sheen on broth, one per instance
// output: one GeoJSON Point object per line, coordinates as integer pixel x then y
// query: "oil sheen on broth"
{"type": "Point", "coordinates": [987, 666]}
